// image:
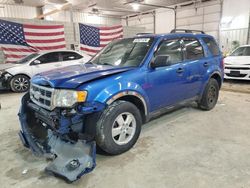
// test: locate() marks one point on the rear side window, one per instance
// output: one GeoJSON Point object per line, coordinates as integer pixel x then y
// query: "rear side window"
{"type": "Point", "coordinates": [212, 46]}
{"type": "Point", "coordinates": [67, 56]}
{"type": "Point", "coordinates": [193, 48]}
{"type": "Point", "coordinates": [49, 57]}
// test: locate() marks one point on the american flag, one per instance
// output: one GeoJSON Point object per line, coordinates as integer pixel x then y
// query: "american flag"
{"type": "Point", "coordinates": [19, 40]}
{"type": "Point", "coordinates": [93, 39]}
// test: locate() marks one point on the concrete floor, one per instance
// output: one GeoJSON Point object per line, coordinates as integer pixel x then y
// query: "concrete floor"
{"type": "Point", "coordinates": [186, 148]}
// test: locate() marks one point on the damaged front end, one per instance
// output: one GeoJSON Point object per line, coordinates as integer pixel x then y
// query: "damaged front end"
{"type": "Point", "coordinates": [57, 135]}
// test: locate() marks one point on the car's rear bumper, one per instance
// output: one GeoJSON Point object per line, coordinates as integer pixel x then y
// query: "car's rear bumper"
{"type": "Point", "coordinates": [71, 159]}
{"type": "Point", "coordinates": [237, 72]}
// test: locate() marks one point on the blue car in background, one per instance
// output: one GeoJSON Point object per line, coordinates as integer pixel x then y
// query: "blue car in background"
{"type": "Point", "coordinates": [106, 100]}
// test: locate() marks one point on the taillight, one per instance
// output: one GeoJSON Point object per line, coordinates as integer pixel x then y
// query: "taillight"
{"type": "Point", "coordinates": [222, 63]}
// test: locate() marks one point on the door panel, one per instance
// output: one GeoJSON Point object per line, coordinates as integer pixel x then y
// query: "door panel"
{"type": "Point", "coordinates": [167, 86]}
{"type": "Point", "coordinates": [196, 64]}
{"type": "Point", "coordinates": [167, 83]}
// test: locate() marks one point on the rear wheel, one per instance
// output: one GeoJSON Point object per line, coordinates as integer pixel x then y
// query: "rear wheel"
{"type": "Point", "coordinates": [118, 127]}
{"type": "Point", "coordinates": [210, 95]}
{"type": "Point", "coordinates": [20, 83]}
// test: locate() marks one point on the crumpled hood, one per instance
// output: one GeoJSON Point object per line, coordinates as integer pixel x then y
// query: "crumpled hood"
{"type": "Point", "coordinates": [73, 76]}
{"type": "Point", "coordinates": [5, 66]}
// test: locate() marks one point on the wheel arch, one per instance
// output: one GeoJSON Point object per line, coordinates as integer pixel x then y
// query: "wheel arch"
{"type": "Point", "coordinates": [217, 77]}
{"type": "Point", "coordinates": [21, 74]}
{"type": "Point", "coordinates": [133, 97]}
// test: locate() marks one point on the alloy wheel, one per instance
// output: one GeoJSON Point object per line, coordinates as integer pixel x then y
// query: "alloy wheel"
{"type": "Point", "coordinates": [123, 129]}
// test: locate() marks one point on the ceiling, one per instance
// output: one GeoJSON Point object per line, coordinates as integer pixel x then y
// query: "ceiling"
{"type": "Point", "coordinates": [108, 7]}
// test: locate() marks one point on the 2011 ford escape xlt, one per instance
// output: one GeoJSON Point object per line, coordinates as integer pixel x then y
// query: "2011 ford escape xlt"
{"type": "Point", "coordinates": [107, 100]}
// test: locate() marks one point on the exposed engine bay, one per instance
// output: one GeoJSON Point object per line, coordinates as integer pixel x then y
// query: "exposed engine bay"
{"type": "Point", "coordinates": [57, 136]}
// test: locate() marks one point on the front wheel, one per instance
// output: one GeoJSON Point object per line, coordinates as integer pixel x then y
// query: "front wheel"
{"type": "Point", "coordinates": [210, 95]}
{"type": "Point", "coordinates": [118, 127]}
{"type": "Point", "coordinates": [20, 83]}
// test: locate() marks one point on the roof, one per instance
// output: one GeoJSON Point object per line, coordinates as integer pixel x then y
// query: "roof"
{"type": "Point", "coordinates": [45, 52]}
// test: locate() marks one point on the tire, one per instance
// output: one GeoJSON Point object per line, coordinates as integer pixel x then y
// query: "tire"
{"type": "Point", "coordinates": [113, 134]}
{"type": "Point", "coordinates": [210, 95]}
{"type": "Point", "coordinates": [20, 83]}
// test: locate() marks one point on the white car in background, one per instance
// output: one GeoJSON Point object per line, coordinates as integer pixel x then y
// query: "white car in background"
{"type": "Point", "coordinates": [16, 75]}
{"type": "Point", "coordinates": [237, 64]}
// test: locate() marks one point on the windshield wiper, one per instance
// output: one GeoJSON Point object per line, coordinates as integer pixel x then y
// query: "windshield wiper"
{"type": "Point", "coordinates": [106, 64]}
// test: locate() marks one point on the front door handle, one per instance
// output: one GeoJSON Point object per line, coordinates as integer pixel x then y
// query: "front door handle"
{"type": "Point", "coordinates": [205, 64]}
{"type": "Point", "coordinates": [180, 70]}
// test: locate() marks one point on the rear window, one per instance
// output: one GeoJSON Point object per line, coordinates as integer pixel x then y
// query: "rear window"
{"type": "Point", "coordinates": [212, 46]}
{"type": "Point", "coordinates": [68, 56]}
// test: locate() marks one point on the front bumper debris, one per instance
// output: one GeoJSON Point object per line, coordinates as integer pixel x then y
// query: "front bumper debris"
{"type": "Point", "coordinates": [5, 81]}
{"type": "Point", "coordinates": [70, 159]}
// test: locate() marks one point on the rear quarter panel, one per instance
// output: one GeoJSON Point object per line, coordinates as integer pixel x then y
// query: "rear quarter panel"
{"type": "Point", "coordinates": [215, 64]}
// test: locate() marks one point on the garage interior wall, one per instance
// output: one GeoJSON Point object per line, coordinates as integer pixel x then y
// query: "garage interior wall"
{"type": "Point", "coordinates": [25, 15]}
{"type": "Point", "coordinates": [226, 20]}
{"type": "Point", "coordinates": [234, 23]}
{"type": "Point", "coordinates": [201, 16]}
{"type": "Point", "coordinates": [146, 21]}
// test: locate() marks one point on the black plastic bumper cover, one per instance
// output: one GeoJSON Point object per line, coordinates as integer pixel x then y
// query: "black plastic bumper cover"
{"type": "Point", "coordinates": [71, 160]}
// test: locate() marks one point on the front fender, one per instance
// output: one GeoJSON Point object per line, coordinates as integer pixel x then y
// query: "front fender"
{"type": "Point", "coordinates": [120, 89]}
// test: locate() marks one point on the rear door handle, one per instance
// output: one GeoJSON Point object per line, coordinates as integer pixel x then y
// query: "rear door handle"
{"type": "Point", "coordinates": [180, 70]}
{"type": "Point", "coordinates": [205, 64]}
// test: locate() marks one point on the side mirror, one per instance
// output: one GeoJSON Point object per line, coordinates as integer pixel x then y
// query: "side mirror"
{"type": "Point", "coordinates": [160, 61]}
{"type": "Point", "coordinates": [36, 62]}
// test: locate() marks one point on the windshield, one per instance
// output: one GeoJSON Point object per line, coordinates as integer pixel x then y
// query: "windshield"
{"type": "Point", "coordinates": [241, 51]}
{"type": "Point", "coordinates": [124, 53]}
{"type": "Point", "coordinates": [27, 58]}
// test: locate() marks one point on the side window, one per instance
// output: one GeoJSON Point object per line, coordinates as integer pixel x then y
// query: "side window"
{"type": "Point", "coordinates": [172, 49]}
{"type": "Point", "coordinates": [212, 46]}
{"type": "Point", "coordinates": [67, 56]}
{"type": "Point", "coordinates": [193, 48]}
{"type": "Point", "coordinates": [49, 58]}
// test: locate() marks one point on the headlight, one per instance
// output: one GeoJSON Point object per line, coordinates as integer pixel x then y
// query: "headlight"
{"type": "Point", "coordinates": [67, 98]}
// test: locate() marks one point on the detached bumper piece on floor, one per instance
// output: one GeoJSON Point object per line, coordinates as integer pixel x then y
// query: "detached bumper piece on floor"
{"type": "Point", "coordinates": [70, 160]}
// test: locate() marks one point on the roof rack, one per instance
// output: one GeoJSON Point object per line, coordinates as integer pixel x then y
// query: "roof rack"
{"type": "Point", "coordinates": [144, 33]}
{"type": "Point", "coordinates": [187, 31]}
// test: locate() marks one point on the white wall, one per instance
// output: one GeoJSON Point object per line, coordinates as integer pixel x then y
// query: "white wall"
{"type": "Point", "coordinates": [205, 17]}
{"type": "Point", "coordinates": [79, 17]}
{"type": "Point", "coordinates": [164, 20]}
{"type": "Point", "coordinates": [234, 23]}
{"type": "Point", "coordinates": [18, 11]}
{"type": "Point", "coordinates": [235, 14]}
{"type": "Point", "coordinates": [146, 21]}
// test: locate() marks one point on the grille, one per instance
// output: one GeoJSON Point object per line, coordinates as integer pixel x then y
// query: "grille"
{"type": "Point", "coordinates": [42, 96]}
{"type": "Point", "coordinates": [238, 76]}
{"type": "Point", "coordinates": [238, 68]}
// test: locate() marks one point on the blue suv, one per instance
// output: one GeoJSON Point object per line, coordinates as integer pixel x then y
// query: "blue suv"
{"type": "Point", "coordinates": [106, 100]}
